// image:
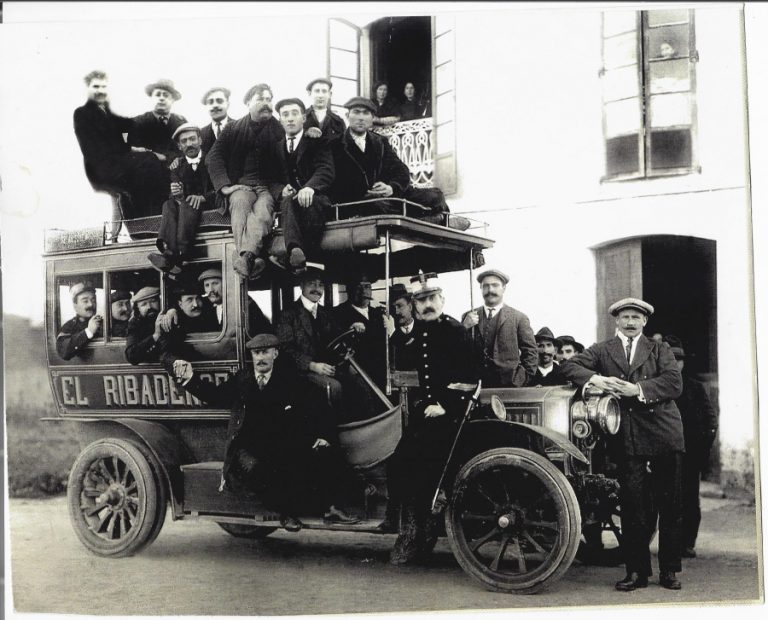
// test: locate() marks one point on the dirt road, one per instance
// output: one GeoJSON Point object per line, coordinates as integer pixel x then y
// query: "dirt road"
{"type": "Point", "coordinates": [196, 568]}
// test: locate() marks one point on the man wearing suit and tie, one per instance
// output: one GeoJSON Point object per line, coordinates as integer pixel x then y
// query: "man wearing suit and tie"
{"type": "Point", "coordinates": [503, 334]}
{"type": "Point", "coordinates": [216, 99]}
{"type": "Point", "coordinates": [403, 340]}
{"type": "Point", "coordinates": [321, 121]}
{"type": "Point", "coordinates": [643, 374]}
{"type": "Point", "coordinates": [304, 171]}
{"type": "Point", "coordinates": [154, 130]}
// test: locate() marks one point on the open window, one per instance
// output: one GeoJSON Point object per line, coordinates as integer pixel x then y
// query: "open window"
{"type": "Point", "coordinates": [80, 297]}
{"type": "Point", "coordinates": [123, 285]}
{"type": "Point", "coordinates": [258, 309]}
{"type": "Point", "coordinates": [200, 300]}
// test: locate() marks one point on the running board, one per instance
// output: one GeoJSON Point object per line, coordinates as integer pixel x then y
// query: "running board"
{"type": "Point", "coordinates": [309, 523]}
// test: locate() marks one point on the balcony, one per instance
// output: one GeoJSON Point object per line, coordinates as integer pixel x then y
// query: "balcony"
{"type": "Point", "coordinates": [412, 141]}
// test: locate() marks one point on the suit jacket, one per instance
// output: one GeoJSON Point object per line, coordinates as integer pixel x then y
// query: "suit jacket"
{"type": "Point", "coordinates": [371, 352]}
{"type": "Point", "coordinates": [196, 182]}
{"type": "Point", "coordinates": [303, 339]}
{"type": "Point", "coordinates": [647, 429]}
{"type": "Point", "coordinates": [150, 133]}
{"type": "Point", "coordinates": [514, 355]}
{"type": "Point", "coordinates": [333, 126]}
{"type": "Point", "coordinates": [208, 137]}
{"type": "Point", "coordinates": [100, 136]}
{"type": "Point", "coordinates": [352, 181]}
{"type": "Point", "coordinates": [314, 166]}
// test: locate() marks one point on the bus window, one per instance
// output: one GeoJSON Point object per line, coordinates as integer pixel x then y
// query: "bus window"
{"type": "Point", "coordinates": [260, 317]}
{"type": "Point", "coordinates": [81, 306]}
{"type": "Point", "coordinates": [123, 285]}
{"type": "Point", "coordinates": [199, 296]}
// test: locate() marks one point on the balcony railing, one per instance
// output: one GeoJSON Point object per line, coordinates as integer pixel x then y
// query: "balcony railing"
{"type": "Point", "coordinates": [412, 141]}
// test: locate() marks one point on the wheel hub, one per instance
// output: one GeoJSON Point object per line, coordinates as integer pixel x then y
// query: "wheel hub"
{"type": "Point", "coordinates": [114, 497]}
{"type": "Point", "coordinates": [512, 519]}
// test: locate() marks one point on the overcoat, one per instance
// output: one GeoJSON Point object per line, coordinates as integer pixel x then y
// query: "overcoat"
{"type": "Point", "coordinates": [333, 126]}
{"type": "Point", "coordinates": [100, 135]}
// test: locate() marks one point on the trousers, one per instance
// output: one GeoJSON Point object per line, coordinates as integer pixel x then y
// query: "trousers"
{"type": "Point", "coordinates": [252, 212]}
{"type": "Point", "coordinates": [303, 227]}
{"type": "Point", "coordinates": [177, 227]}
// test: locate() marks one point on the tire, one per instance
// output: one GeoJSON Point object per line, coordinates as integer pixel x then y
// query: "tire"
{"type": "Point", "coordinates": [239, 530]}
{"type": "Point", "coordinates": [538, 539]}
{"type": "Point", "coordinates": [162, 492]}
{"type": "Point", "coordinates": [112, 497]}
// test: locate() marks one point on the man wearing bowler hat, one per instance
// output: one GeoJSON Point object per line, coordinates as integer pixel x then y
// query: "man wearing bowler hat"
{"type": "Point", "coordinates": [120, 311]}
{"type": "Point", "coordinates": [321, 121]}
{"type": "Point", "coordinates": [643, 375]}
{"type": "Point", "coordinates": [548, 370]}
{"type": "Point", "coordinates": [403, 340]}
{"type": "Point", "coordinates": [84, 326]}
{"type": "Point", "coordinates": [277, 443]}
{"type": "Point", "coordinates": [568, 348]}
{"type": "Point", "coordinates": [154, 130]}
{"type": "Point", "coordinates": [503, 334]}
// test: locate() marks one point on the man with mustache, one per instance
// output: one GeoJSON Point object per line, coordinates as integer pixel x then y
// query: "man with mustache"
{"type": "Point", "coordinates": [548, 370]}
{"type": "Point", "coordinates": [83, 327]}
{"type": "Point", "coordinates": [446, 357]}
{"type": "Point", "coordinates": [402, 341]}
{"type": "Point", "coordinates": [216, 99]}
{"type": "Point", "coordinates": [191, 192]}
{"type": "Point", "coordinates": [195, 315]}
{"type": "Point", "coordinates": [154, 129]}
{"type": "Point", "coordinates": [120, 307]}
{"type": "Point", "coordinates": [278, 444]}
{"type": "Point", "coordinates": [213, 294]}
{"type": "Point", "coordinates": [111, 165]}
{"type": "Point", "coordinates": [503, 335]}
{"type": "Point", "coordinates": [147, 341]}
{"type": "Point", "coordinates": [240, 172]}
{"type": "Point", "coordinates": [321, 121]}
{"type": "Point", "coordinates": [644, 376]}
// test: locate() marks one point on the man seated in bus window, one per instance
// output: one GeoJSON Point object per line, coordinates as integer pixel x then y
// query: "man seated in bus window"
{"type": "Point", "coordinates": [120, 309]}
{"type": "Point", "coordinates": [367, 168]}
{"type": "Point", "coordinates": [84, 327]}
{"type": "Point", "coordinates": [213, 292]}
{"type": "Point", "coordinates": [147, 340]}
{"type": "Point", "coordinates": [190, 314]}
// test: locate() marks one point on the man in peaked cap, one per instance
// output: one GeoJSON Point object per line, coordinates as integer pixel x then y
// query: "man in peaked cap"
{"type": "Point", "coordinates": [548, 370]}
{"type": "Point", "coordinates": [321, 121]}
{"type": "Point", "coordinates": [644, 376]}
{"type": "Point", "coordinates": [154, 129]}
{"type": "Point", "coordinates": [84, 326]}
{"type": "Point", "coordinates": [445, 356]}
{"type": "Point", "coordinates": [277, 443]}
{"type": "Point", "coordinates": [120, 310]}
{"type": "Point", "coordinates": [503, 334]}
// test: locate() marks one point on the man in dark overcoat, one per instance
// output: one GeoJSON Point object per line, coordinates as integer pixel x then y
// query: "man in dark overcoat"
{"type": "Point", "coordinates": [112, 165]}
{"type": "Point", "coordinates": [446, 357]}
{"type": "Point", "coordinates": [321, 121]}
{"type": "Point", "coordinates": [279, 442]}
{"type": "Point", "coordinates": [154, 129]}
{"type": "Point", "coordinates": [304, 170]}
{"type": "Point", "coordinates": [503, 335]}
{"type": "Point", "coordinates": [643, 374]}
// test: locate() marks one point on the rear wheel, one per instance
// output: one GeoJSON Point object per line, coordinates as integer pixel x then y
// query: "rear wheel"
{"type": "Point", "coordinates": [513, 523]}
{"type": "Point", "coordinates": [240, 530]}
{"type": "Point", "coordinates": [113, 498]}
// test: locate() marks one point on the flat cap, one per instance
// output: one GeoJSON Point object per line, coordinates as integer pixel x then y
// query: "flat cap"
{"type": "Point", "coordinates": [424, 285]}
{"type": "Point", "coordinates": [185, 127]}
{"type": "Point", "coordinates": [546, 334]}
{"type": "Point", "coordinates": [148, 292]}
{"type": "Point", "coordinates": [631, 302]}
{"type": "Point", "coordinates": [291, 101]}
{"type": "Point", "coordinates": [262, 341]}
{"type": "Point", "coordinates": [320, 80]}
{"type": "Point", "coordinates": [80, 287]}
{"type": "Point", "coordinates": [163, 84]}
{"type": "Point", "coordinates": [215, 89]}
{"type": "Point", "coordinates": [493, 272]}
{"type": "Point", "coordinates": [361, 102]}
{"type": "Point", "coordinates": [209, 273]}
{"type": "Point", "coordinates": [398, 291]}
{"type": "Point", "coordinates": [119, 295]}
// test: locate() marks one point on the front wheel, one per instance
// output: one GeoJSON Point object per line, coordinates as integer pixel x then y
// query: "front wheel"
{"type": "Point", "coordinates": [514, 522]}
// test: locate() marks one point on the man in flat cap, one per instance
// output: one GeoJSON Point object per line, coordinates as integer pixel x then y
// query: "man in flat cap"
{"type": "Point", "coordinates": [304, 173]}
{"type": "Point", "coordinates": [367, 168]}
{"type": "Point", "coordinates": [278, 443]}
{"type": "Point", "coordinates": [445, 356]}
{"type": "Point", "coordinates": [548, 370]}
{"type": "Point", "coordinates": [120, 310]}
{"type": "Point", "coordinates": [216, 100]}
{"type": "Point", "coordinates": [237, 163]}
{"type": "Point", "coordinates": [403, 339]}
{"type": "Point", "coordinates": [643, 375]}
{"type": "Point", "coordinates": [568, 348]}
{"type": "Point", "coordinates": [111, 165]}
{"type": "Point", "coordinates": [154, 130]}
{"type": "Point", "coordinates": [191, 193]}
{"type": "Point", "coordinates": [147, 340]}
{"type": "Point", "coordinates": [321, 121]}
{"type": "Point", "coordinates": [503, 335]}
{"type": "Point", "coordinates": [84, 326]}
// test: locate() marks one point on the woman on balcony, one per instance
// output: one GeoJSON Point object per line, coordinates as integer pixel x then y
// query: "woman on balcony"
{"type": "Point", "coordinates": [387, 110]}
{"type": "Point", "coordinates": [411, 109]}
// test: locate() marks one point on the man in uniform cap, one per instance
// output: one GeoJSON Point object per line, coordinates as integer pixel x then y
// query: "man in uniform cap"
{"type": "Point", "coordinates": [84, 326]}
{"type": "Point", "coordinates": [403, 339]}
{"type": "Point", "coordinates": [154, 130]}
{"type": "Point", "coordinates": [120, 310]}
{"type": "Point", "coordinates": [191, 192]}
{"type": "Point", "coordinates": [445, 356]}
{"type": "Point", "coordinates": [278, 444]}
{"type": "Point", "coordinates": [568, 348]}
{"type": "Point", "coordinates": [368, 168]}
{"type": "Point", "coordinates": [503, 334]}
{"type": "Point", "coordinates": [548, 370]}
{"type": "Point", "coordinates": [643, 375]}
{"type": "Point", "coordinates": [321, 121]}
{"type": "Point", "coordinates": [216, 99]}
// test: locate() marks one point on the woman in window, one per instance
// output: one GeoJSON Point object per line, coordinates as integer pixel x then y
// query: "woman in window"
{"type": "Point", "coordinates": [410, 108]}
{"type": "Point", "coordinates": [387, 110]}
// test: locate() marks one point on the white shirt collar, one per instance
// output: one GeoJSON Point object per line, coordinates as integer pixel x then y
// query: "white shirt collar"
{"type": "Point", "coordinates": [359, 140]}
{"type": "Point", "coordinates": [196, 160]}
{"type": "Point", "coordinates": [296, 139]}
{"type": "Point", "coordinates": [407, 329]}
{"type": "Point", "coordinates": [219, 311]}
{"type": "Point", "coordinates": [320, 114]}
{"type": "Point", "coordinates": [310, 306]}
{"type": "Point", "coordinates": [625, 340]}
{"type": "Point", "coordinates": [363, 311]}
{"type": "Point", "coordinates": [268, 375]}
{"type": "Point", "coordinates": [494, 308]}
{"type": "Point", "coordinates": [545, 371]}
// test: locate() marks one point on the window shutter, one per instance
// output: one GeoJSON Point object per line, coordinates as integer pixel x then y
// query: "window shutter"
{"type": "Point", "coordinates": [444, 102]}
{"type": "Point", "coordinates": [343, 61]}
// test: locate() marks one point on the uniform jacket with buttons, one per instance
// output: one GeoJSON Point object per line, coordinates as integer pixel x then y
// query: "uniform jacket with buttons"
{"type": "Point", "coordinates": [71, 339]}
{"type": "Point", "coordinates": [647, 429]}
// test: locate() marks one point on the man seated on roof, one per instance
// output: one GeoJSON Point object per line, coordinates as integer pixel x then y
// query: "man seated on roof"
{"type": "Point", "coordinates": [120, 309]}
{"type": "Point", "coordinates": [367, 168]}
{"type": "Point", "coordinates": [83, 327]}
{"type": "Point", "coordinates": [321, 121]}
{"type": "Point", "coordinates": [213, 294]}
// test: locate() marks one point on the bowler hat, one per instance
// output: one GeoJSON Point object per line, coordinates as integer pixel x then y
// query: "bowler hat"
{"type": "Point", "coordinates": [361, 102]}
{"type": "Point", "coordinates": [319, 80]}
{"type": "Point", "coordinates": [631, 302]}
{"type": "Point", "coordinates": [119, 295]}
{"type": "Point", "coordinates": [398, 291]}
{"type": "Point", "coordinates": [571, 340]}
{"type": "Point", "coordinates": [185, 127]}
{"type": "Point", "coordinates": [291, 101]}
{"type": "Point", "coordinates": [80, 287]}
{"type": "Point", "coordinates": [209, 273]}
{"type": "Point", "coordinates": [493, 272]}
{"type": "Point", "coordinates": [215, 89]}
{"type": "Point", "coordinates": [148, 292]}
{"type": "Point", "coordinates": [311, 273]}
{"type": "Point", "coordinates": [163, 84]}
{"type": "Point", "coordinates": [424, 285]}
{"type": "Point", "coordinates": [262, 341]}
{"type": "Point", "coordinates": [546, 334]}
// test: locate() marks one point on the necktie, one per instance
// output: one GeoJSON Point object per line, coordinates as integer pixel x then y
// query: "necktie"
{"type": "Point", "coordinates": [261, 380]}
{"type": "Point", "coordinates": [218, 129]}
{"type": "Point", "coordinates": [487, 326]}
{"type": "Point", "coordinates": [164, 120]}
{"type": "Point", "coordinates": [290, 144]}
{"type": "Point", "coordinates": [194, 165]}
{"type": "Point", "coordinates": [629, 349]}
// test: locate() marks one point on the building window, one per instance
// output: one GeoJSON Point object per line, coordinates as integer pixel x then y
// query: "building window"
{"type": "Point", "coordinates": [649, 104]}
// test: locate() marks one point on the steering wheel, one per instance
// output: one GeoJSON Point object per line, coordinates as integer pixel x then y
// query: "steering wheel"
{"type": "Point", "coordinates": [342, 347]}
